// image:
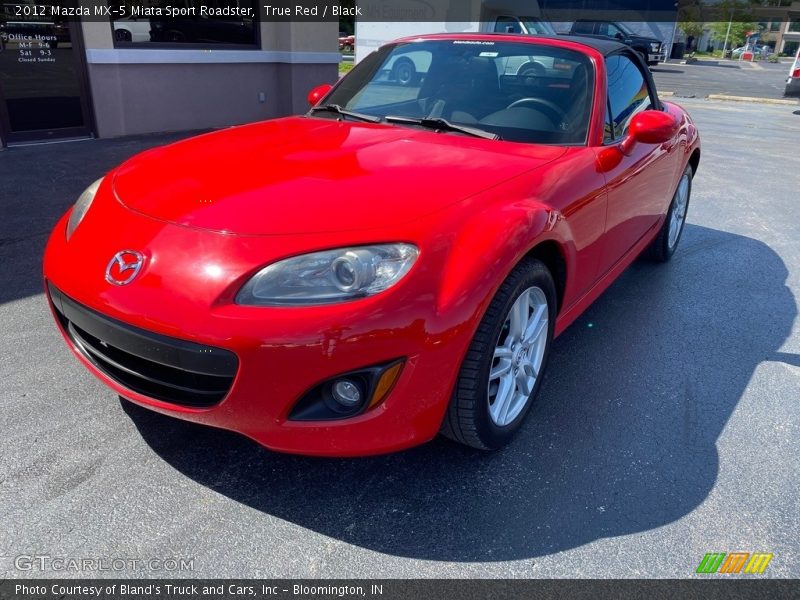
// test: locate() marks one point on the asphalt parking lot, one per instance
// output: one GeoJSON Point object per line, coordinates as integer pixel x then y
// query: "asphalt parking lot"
{"type": "Point", "coordinates": [667, 426]}
{"type": "Point", "coordinates": [726, 77]}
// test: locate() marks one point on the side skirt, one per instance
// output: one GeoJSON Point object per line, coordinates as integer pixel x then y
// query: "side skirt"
{"type": "Point", "coordinates": [568, 316]}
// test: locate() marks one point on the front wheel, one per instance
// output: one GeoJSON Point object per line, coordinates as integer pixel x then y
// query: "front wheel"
{"type": "Point", "coordinates": [505, 362]}
{"type": "Point", "coordinates": [663, 247]}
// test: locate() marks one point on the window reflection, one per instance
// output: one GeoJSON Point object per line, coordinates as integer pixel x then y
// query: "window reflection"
{"type": "Point", "coordinates": [627, 92]}
{"type": "Point", "coordinates": [183, 22]}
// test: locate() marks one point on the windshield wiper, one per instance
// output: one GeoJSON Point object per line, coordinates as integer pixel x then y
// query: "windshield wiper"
{"type": "Point", "coordinates": [440, 124]}
{"type": "Point", "coordinates": [343, 112]}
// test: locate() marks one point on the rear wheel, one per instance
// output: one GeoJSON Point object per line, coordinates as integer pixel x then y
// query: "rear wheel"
{"type": "Point", "coordinates": [174, 35]}
{"type": "Point", "coordinates": [505, 362]}
{"type": "Point", "coordinates": [663, 247]}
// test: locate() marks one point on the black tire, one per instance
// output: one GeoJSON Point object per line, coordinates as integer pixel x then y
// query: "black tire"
{"type": "Point", "coordinates": [468, 420]}
{"type": "Point", "coordinates": [531, 69]}
{"type": "Point", "coordinates": [660, 249]}
{"type": "Point", "coordinates": [404, 72]}
{"type": "Point", "coordinates": [175, 36]}
{"type": "Point", "coordinates": [122, 35]}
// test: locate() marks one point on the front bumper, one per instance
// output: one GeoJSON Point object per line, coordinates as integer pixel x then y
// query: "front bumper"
{"type": "Point", "coordinates": [280, 353]}
{"type": "Point", "coordinates": [655, 58]}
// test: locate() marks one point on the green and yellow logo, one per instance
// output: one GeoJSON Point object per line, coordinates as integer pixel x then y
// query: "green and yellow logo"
{"type": "Point", "coordinates": [720, 562]}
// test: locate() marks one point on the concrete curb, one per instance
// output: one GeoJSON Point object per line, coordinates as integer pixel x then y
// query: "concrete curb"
{"type": "Point", "coordinates": [777, 101]}
{"type": "Point", "coordinates": [749, 99]}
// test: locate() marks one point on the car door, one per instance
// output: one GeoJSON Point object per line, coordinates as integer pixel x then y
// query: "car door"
{"type": "Point", "coordinates": [610, 30]}
{"type": "Point", "coordinates": [640, 186]}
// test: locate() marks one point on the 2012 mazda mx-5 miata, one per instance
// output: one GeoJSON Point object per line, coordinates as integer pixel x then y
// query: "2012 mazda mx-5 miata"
{"type": "Point", "coordinates": [393, 264]}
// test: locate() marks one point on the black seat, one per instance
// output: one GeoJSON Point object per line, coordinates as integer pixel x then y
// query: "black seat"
{"type": "Point", "coordinates": [469, 90]}
{"type": "Point", "coordinates": [577, 110]}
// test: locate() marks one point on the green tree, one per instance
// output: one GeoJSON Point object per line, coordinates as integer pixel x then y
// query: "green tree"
{"type": "Point", "coordinates": [740, 19]}
{"type": "Point", "coordinates": [738, 35]}
{"type": "Point", "coordinates": [690, 22]}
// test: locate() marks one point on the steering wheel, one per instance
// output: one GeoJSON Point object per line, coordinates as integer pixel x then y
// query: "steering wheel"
{"type": "Point", "coordinates": [554, 109]}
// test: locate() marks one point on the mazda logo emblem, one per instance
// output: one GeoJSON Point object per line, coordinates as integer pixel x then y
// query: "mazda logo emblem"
{"type": "Point", "coordinates": [124, 267]}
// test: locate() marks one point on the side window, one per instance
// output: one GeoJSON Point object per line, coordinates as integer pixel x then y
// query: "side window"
{"type": "Point", "coordinates": [608, 129]}
{"type": "Point", "coordinates": [611, 30]}
{"type": "Point", "coordinates": [507, 25]}
{"type": "Point", "coordinates": [583, 27]}
{"type": "Point", "coordinates": [627, 92]}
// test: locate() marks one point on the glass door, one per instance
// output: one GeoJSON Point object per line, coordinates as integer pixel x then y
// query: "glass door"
{"type": "Point", "coordinates": [43, 83]}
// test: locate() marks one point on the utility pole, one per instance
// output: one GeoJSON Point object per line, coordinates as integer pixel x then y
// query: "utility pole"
{"type": "Point", "coordinates": [727, 34]}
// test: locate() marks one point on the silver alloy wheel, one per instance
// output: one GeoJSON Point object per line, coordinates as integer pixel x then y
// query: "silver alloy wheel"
{"type": "Point", "coordinates": [678, 216]}
{"type": "Point", "coordinates": [518, 356]}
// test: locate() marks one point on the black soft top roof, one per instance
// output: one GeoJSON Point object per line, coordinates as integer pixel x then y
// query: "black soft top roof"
{"type": "Point", "coordinates": [603, 46]}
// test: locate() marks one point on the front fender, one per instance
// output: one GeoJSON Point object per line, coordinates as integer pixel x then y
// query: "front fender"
{"type": "Point", "coordinates": [484, 252]}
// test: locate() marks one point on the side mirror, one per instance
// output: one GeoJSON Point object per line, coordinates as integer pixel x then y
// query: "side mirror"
{"type": "Point", "coordinates": [649, 127]}
{"type": "Point", "coordinates": [318, 93]}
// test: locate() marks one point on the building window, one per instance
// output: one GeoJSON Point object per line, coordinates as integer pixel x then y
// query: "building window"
{"type": "Point", "coordinates": [794, 26]}
{"type": "Point", "coordinates": [185, 23]}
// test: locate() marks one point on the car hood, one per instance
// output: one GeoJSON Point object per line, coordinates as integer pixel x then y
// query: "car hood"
{"type": "Point", "coordinates": [642, 38]}
{"type": "Point", "coordinates": [310, 175]}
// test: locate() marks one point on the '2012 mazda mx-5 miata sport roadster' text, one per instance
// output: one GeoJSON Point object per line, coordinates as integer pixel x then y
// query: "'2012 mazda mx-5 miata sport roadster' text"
{"type": "Point", "coordinates": [395, 263]}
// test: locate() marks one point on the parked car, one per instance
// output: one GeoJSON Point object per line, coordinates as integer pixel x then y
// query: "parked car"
{"type": "Point", "coordinates": [346, 43]}
{"type": "Point", "coordinates": [523, 24]}
{"type": "Point", "coordinates": [793, 81]}
{"type": "Point", "coordinates": [760, 50]}
{"type": "Point", "coordinates": [407, 67]}
{"type": "Point", "coordinates": [650, 49]}
{"type": "Point", "coordinates": [199, 30]}
{"type": "Point", "coordinates": [132, 29]}
{"type": "Point", "coordinates": [388, 266]}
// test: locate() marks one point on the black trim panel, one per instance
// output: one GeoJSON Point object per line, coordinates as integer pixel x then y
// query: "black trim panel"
{"type": "Point", "coordinates": [155, 365]}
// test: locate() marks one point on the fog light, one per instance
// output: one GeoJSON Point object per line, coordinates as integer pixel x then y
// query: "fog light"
{"type": "Point", "coordinates": [346, 393]}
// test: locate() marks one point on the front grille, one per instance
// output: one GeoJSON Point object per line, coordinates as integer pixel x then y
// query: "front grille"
{"type": "Point", "coordinates": [154, 365]}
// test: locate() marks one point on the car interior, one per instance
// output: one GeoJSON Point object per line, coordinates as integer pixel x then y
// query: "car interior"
{"type": "Point", "coordinates": [520, 92]}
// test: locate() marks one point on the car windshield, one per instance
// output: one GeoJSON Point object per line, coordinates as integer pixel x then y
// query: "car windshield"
{"type": "Point", "coordinates": [521, 92]}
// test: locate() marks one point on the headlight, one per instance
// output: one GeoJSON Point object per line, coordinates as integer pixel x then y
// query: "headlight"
{"type": "Point", "coordinates": [81, 206]}
{"type": "Point", "coordinates": [655, 46]}
{"type": "Point", "coordinates": [330, 276]}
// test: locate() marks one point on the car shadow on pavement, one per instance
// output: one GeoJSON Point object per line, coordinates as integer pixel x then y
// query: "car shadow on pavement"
{"type": "Point", "coordinates": [621, 440]}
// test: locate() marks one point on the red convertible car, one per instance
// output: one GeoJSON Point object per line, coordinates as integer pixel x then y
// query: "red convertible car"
{"type": "Point", "coordinates": [391, 265]}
